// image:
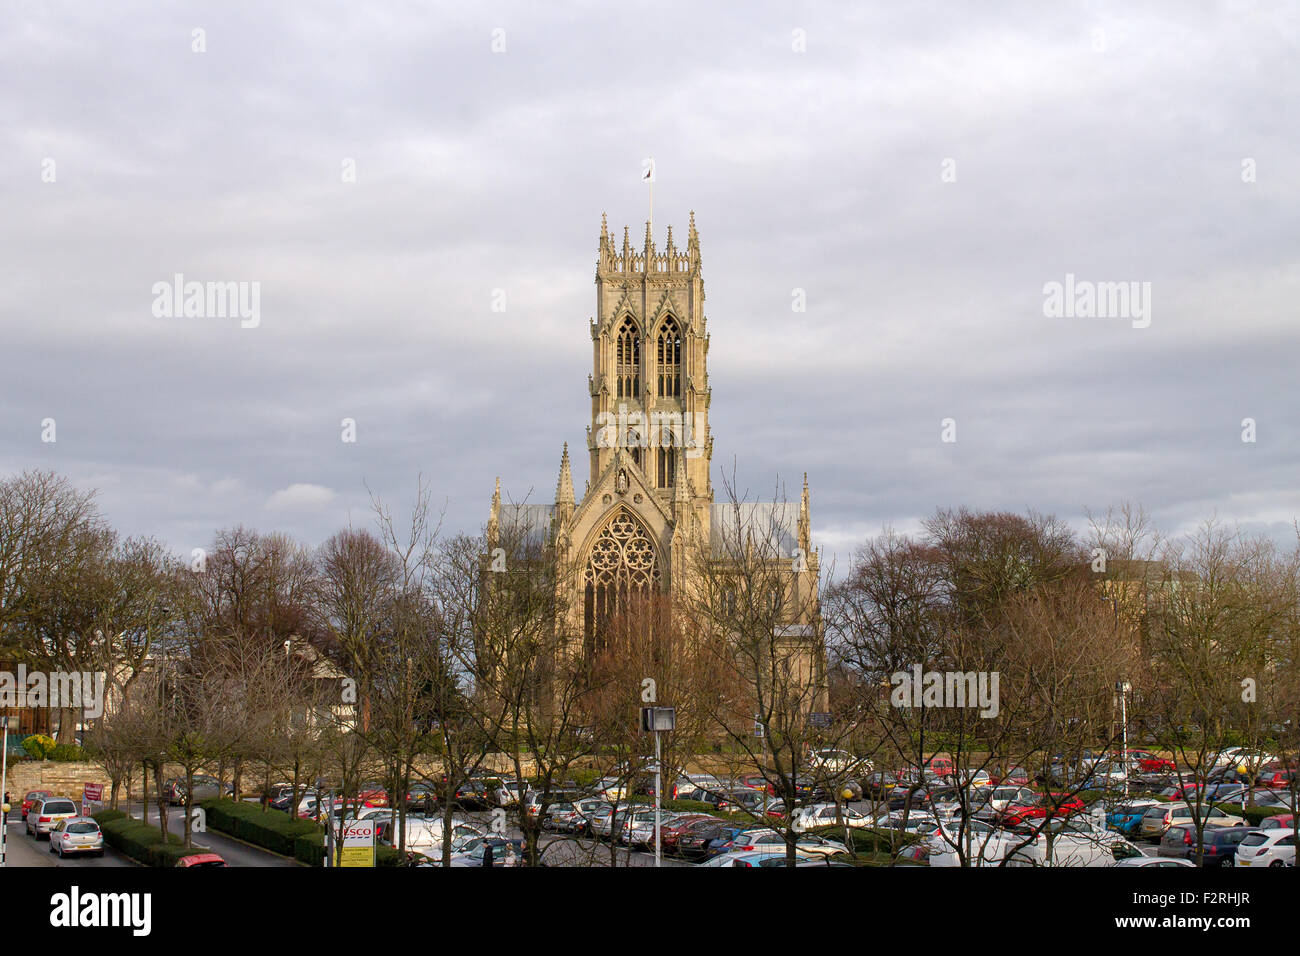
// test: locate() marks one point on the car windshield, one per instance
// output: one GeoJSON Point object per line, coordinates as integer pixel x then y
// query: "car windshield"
{"type": "Point", "coordinates": [58, 806]}
{"type": "Point", "coordinates": [83, 828]}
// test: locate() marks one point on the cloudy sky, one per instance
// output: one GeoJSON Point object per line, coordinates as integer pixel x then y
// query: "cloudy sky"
{"type": "Point", "coordinates": [921, 171]}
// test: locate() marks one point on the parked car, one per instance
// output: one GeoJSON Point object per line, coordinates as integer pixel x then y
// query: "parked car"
{"type": "Point", "coordinates": [1146, 861]}
{"type": "Point", "coordinates": [1274, 777]}
{"type": "Point", "coordinates": [707, 841]}
{"type": "Point", "coordinates": [1161, 817]}
{"type": "Point", "coordinates": [1219, 843]}
{"type": "Point", "coordinates": [46, 812]}
{"type": "Point", "coordinates": [826, 814]}
{"type": "Point", "coordinates": [201, 861]}
{"type": "Point", "coordinates": [764, 840]}
{"type": "Point", "coordinates": [76, 835]}
{"type": "Point", "coordinates": [1148, 762]}
{"type": "Point", "coordinates": [1279, 821]}
{"type": "Point", "coordinates": [1011, 776]}
{"type": "Point", "coordinates": [879, 783]}
{"type": "Point", "coordinates": [32, 797]}
{"type": "Point", "coordinates": [1043, 806]}
{"type": "Point", "coordinates": [1127, 817]}
{"type": "Point", "coordinates": [1267, 848]}
{"type": "Point", "coordinates": [681, 824]}
{"type": "Point", "coordinates": [605, 821]}
{"type": "Point", "coordinates": [504, 852]}
{"type": "Point", "coordinates": [205, 788]}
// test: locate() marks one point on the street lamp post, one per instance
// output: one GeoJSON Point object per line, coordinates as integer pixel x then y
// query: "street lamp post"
{"type": "Point", "coordinates": [1124, 687]}
{"type": "Point", "coordinates": [658, 720]}
{"type": "Point", "coordinates": [4, 788]}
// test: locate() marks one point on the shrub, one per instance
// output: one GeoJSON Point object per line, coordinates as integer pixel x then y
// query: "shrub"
{"type": "Point", "coordinates": [270, 829]}
{"type": "Point", "coordinates": [39, 746]}
{"type": "Point", "coordinates": [140, 841]}
{"type": "Point", "coordinates": [68, 753]}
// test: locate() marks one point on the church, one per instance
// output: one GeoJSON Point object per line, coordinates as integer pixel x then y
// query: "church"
{"type": "Point", "coordinates": [648, 510]}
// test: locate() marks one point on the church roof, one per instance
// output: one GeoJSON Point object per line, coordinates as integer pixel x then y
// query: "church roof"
{"type": "Point", "coordinates": [532, 521]}
{"type": "Point", "coordinates": [773, 524]}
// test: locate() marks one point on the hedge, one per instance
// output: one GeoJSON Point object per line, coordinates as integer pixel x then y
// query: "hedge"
{"type": "Point", "coordinates": [272, 830]}
{"type": "Point", "coordinates": [141, 841]}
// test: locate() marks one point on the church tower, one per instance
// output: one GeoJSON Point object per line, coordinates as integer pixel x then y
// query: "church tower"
{"type": "Point", "coordinates": [649, 383]}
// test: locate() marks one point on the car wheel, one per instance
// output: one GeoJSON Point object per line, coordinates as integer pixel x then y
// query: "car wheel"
{"type": "Point", "coordinates": [51, 846]}
{"type": "Point", "coordinates": [1277, 863]}
{"type": "Point", "coordinates": [1229, 861]}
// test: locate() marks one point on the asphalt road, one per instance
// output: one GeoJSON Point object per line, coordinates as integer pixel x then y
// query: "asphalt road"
{"type": "Point", "coordinates": [23, 850]}
{"type": "Point", "coordinates": [232, 851]}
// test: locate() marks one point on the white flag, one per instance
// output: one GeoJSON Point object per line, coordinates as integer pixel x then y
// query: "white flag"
{"type": "Point", "coordinates": [647, 170]}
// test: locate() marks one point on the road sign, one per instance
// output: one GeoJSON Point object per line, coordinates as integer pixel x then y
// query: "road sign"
{"type": "Point", "coordinates": [92, 793]}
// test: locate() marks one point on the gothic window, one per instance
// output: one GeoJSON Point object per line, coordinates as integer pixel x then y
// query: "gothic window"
{"type": "Point", "coordinates": [622, 563]}
{"type": "Point", "coordinates": [628, 370]}
{"type": "Point", "coordinates": [670, 359]}
{"type": "Point", "coordinates": [632, 442]}
{"type": "Point", "coordinates": [667, 467]}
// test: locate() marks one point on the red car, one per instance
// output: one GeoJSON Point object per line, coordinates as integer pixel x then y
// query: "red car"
{"type": "Point", "coordinates": [756, 781]}
{"type": "Point", "coordinates": [1013, 777]}
{"type": "Point", "coordinates": [373, 798]}
{"type": "Point", "coordinates": [1279, 821]}
{"type": "Point", "coordinates": [1274, 777]}
{"type": "Point", "coordinates": [1149, 763]}
{"type": "Point", "coordinates": [670, 833]}
{"type": "Point", "coordinates": [34, 796]}
{"type": "Point", "coordinates": [1048, 804]}
{"type": "Point", "coordinates": [201, 860]}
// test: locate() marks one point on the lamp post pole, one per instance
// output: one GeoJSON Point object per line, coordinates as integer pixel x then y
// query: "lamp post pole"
{"type": "Point", "coordinates": [4, 787]}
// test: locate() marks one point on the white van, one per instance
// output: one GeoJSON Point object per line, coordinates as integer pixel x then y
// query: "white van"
{"type": "Point", "coordinates": [424, 836]}
{"type": "Point", "coordinates": [1074, 849]}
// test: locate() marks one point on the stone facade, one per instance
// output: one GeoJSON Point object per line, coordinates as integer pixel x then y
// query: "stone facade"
{"type": "Point", "coordinates": [648, 508]}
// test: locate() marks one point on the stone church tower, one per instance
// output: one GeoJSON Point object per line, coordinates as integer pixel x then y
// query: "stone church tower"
{"type": "Point", "coordinates": [649, 499]}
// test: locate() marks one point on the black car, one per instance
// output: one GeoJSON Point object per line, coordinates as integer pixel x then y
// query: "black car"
{"type": "Point", "coordinates": [1220, 844]}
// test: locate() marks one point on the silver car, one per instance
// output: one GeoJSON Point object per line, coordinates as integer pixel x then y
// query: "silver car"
{"type": "Point", "coordinates": [45, 815]}
{"type": "Point", "coordinates": [76, 835]}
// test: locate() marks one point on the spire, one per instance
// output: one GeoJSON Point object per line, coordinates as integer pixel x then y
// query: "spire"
{"type": "Point", "coordinates": [693, 243]}
{"type": "Point", "coordinates": [671, 248]}
{"type": "Point", "coordinates": [564, 487]}
{"type": "Point", "coordinates": [494, 516]}
{"type": "Point", "coordinates": [805, 524]}
{"type": "Point", "coordinates": [604, 229]}
{"type": "Point", "coordinates": [649, 239]}
{"type": "Point", "coordinates": [681, 490]}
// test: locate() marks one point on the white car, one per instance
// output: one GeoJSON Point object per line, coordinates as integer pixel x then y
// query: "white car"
{"type": "Point", "coordinates": [1240, 758]}
{"type": "Point", "coordinates": [825, 815]}
{"type": "Point", "coordinates": [1267, 848]}
{"type": "Point", "coordinates": [764, 840]}
{"type": "Point", "coordinates": [1144, 861]}
{"type": "Point", "coordinates": [837, 761]}
{"type": "Point", "coordinates": [757, 858]}
{"type": "Point", "coordinates": [76, 835]}
{"type": "Point", "coordinates": [983, 845]}
{"type": "Point", "coordinates": [1003, 797]}
{"type": "Point", "coordinates": [424, 836]}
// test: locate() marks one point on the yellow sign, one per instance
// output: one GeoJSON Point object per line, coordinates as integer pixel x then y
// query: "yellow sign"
{"type": "Point", "coordinates": [357, 856]}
